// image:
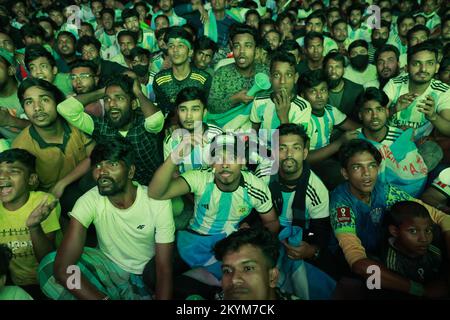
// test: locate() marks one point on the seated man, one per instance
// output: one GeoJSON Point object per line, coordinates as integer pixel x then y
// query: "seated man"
{"type": "Point", "coordinates": [29, 220]}
{"type": "Point", "coordinates": [250, 249]}
{"type": "Point", "coordinates": [123, 214]}
{"type": "Point", "coordinates": [357, 208]}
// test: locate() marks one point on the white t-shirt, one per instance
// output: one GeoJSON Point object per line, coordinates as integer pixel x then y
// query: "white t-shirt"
{"type": "Point", "coordinates": [127, 236]}
{"type": "Point", "coordinates": [362, 78]}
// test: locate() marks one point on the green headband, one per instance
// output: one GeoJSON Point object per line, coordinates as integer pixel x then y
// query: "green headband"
{"type": "Point", "coordinates": [183, 41]}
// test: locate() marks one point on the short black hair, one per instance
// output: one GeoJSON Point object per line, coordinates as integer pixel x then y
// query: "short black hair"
{"type": "Point", "coordinates": [403, 210]}
{"type": "Point", "coordinates": [80, 63]}
{"type": "Point", "coordinates": [204, 43]}
{"type": "Point", "coordinates": [403, 17]}
{"type": "Point", "coordinates": [310, 79]}
{"type": "Point", "coordinates": [113, 149]}
{"type": "Point", "coordinates": [124, 82]}
{"type": "Point", "coordinates": [294, 129]}
{"type": "Point", "coordinates": [336, 22]}
{"type": "Point", "coordinates": [444, 64]}
{"type": "Point", "coordinates": [107, 10]}
{"type": "Point", "coordinates": [317, 14]}
{"type": "Point", "coordinates": [44, 85]}
{"type": "Point", "coordinates": [19, 155]}
{"type": "Point", "coordinates": [387, 48]}
{"type": "Point", "coordinates": [5, 258]}
{"type": "Point", "coordinates": [417, 28]}
{"type": "Point", "coordinates": [355, 146]}
{"type": "Point", "coordinates": [163, 16]}
{"type": "Point", "coordinates": [423, 46]}
{"type": "Point", "coordinates": [240, 28]}
{"type": "Point", "coordinates": [311, 36]}
{"type": "Point", "coordinates": [257, 237]}
{"type": "Point", "coordinates": [290, 45]}
{"type": "Point", "coordinates": [137, 51]}
{"type": "Point", "coordinates": [355, 6]}
{"type": "Point", "coordinates": [129, 13]}
{"type": "Point", "coordinates": [125, 33]}
{"type": "Point", "coordinates": [370, 94]}
{"type": "Point", "coordinates": [336, 56]}
{"type": "Point", "coordinates": [88, 40]}
{"type": "Point", "coordinates": [35, 51]}
{"type": "Point", "coordinates": [48, 20]}
{"type": "Point", "coordinates": [358, 43]}
{"type": "Point", "coordinates": [283, 56]}
{"type": "Point", "coordinates": [189, 94]}
{"type": "Point", "coordinates": [178, 32]}
{"type": "Point", "coordinates": [283, 16]}
{"type": "Point", "coordinates": [84, 23]}
{"type": "Point", "coordinates": [32, 30]}
{"type": "Point", "coordinates": [68, 34]}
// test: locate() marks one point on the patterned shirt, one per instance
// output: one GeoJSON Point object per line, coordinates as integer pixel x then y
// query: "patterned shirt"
{"type": "Point", "coordinates": [321, 127]}
{"type": "Point", "coordinates": [149, 41]}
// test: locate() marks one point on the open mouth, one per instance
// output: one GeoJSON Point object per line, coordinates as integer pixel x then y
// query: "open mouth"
{"type": "Point", "coordinates": [115, 114]}
{"type": "Point", "coordinates": [5, 189]}
{"type": "Point", "coordinates": [104, 182]}
{"type": "Point", "coordinates": [40, 116]}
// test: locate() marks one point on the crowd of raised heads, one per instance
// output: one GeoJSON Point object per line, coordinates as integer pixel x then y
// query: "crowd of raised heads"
{"type": "Point", "coordinates": [224, 149]}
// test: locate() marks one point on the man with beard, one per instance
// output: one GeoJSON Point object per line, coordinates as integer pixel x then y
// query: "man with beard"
{"type": "Point", "coordinates": [416, 35]}
{"type": "Point", "coordinates": [401, 165]}
{"type": "Point", "coordinates": [96, 8]}
{"type": "Point", "coordinates": [339, 33]}
{"type": "Point", "coordinates": [144, 38]}
{"type": "Point", "coordinates": [359, 70]}
{"type": "Point", "coordinates": [357, 209]}
{"type": "Point", "coordinates": [301, 198]}
{"type": "Point", "coordinates": [169, 82]}
{"type": "Point", "coordinates": [53, 141]}
{"type": "Point", "coordinates": [65, 47]}
{"type": "Point", "coordinates": [127, 41]}
{"type": "Point", "coordinates": [387, 64]}
{"type": "Point", "coordinates": [123, 214]}
{"type": "Point", "coordinates": [356, 29]}
{"type": "Point", "coordinates": [418, 100]}
{"type": "Point", "coordinates": [313, 53]}
{"type": "Point", "coordinates": [107, 35]}
{"type": "Point", "coordinates": [342, 92]}
{"type": "Point", "coordinates": [138, 125]}
{"type": "Point", "coordinates": [379, 38]}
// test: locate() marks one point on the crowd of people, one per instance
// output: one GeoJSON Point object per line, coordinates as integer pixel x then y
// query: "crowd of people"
{"type": "Point", "coordinates": [224, 149]}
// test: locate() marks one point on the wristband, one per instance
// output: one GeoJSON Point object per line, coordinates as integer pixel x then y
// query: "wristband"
{"type": "Point", "coordinates": [416, 289]}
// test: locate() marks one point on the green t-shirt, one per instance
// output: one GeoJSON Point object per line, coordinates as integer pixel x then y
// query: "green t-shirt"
{"type": "Point", "coordinates": [13, 104]}
{"type": "Point", "coordinates": [14, 293]}
{"type": "Point", "coordinates": [63, 82]}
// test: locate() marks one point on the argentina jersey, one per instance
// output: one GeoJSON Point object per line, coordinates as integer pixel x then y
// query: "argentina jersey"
{"type": "Point", "coordinates": [411, 117]}
{"type": "Point", "coordinates": [316, 201]}
{"type": "Point", "coordinates": [219, 212]}
{"type": "Point", "coordinates": [149, 41]}
{"type": "Point", "coordinates": [321, 127]}
{"type": "Point", "coordinates": [362, 33]}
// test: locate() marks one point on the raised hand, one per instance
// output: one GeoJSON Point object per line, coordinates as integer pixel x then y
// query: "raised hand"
{"type": "Point", "coordinates": [40, 213]}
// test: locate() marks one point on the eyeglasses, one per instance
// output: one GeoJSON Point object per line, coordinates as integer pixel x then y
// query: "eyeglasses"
{"type": "Point", "coordinates": [80, 76]}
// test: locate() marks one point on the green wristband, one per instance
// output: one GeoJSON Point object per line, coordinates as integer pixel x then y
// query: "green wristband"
{"type": "Point", "coordinates": [416, 289]}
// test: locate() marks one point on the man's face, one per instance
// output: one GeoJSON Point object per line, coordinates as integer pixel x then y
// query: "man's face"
{"type": "Point", "coordinates": [422, 67]}
{"type": "Point", "coordinates": [244, 49]}
{"type": "Point", "coordinates": [283, 77]}
{"type": "Point", "coordinates": [178, 51]}
{"type": "Point", "coordinates": [203, 58]}
{"type": "Point", "coordinates": [42, 69]}
{"type": "Point", "coordinates": [6, 42]}
{"type": "Point", "coordinates": [112, 177]}
{"type": "Point", "coordinates": [191, 113]}
{"type": "Point", "coordinates": [15, 182]}
{"type": "Point", "coordinates": [381, 33]}
{"type": "Point", "coordinates": [89, 52]}
{"type": "Point", "coordinates": [161, 23]}
{"type": "Point", "coordinates": [314, 24]}
{"type": "Point", "coordinates": [126, 44]}
{"type": "Point", "coordinates": [29, 40]}
{"type": "Point", "coordinates": [218, 5]}
{"type": "Point", "coordinates": [417, 37]}
{"type": "Point", "coordinates": [355, 18]}
{"type": "Point", "coordinates": [428, 6]}
{"type": "Point", "coordinates": [445, 30]}
{"type": "Point", "coordinates": [107, 21]}
{"type": "Point", "coordinates": [361, 172]}
{"type": "Point", "coordinates": [373, 115]}
{"type": "Point", "coordinates": [85, 31]}
{"type": "Point", "coordinates": [340, 32]}
{"type": "Point", "coordinates": [332, 17]}
{"type": "Point", "coordinates": [414, 236]}
{"type": "Point", "coordinates": [247, 274]}
{"type": "Point", "coordinates": [286, 26]}
{"type": "Point", "coordinates": [405, 6]}
{"type": "Point", "coordinates": [19, 9]}
{"type": "Point", "coordinates": [405, 26]}
{"type": "Point", "coordinates": [266, 28]}
{"type": "Point", "coordinates": [132, 24]}
{"type": "Point", "coordinates": [40, 107]}
{"type": "Point", "coordinates": [386, 16]}
{"type": "Point", "coordinates": [274, 39]}
{"type": "Point", "coordinates": [117, 106]}
{"type": "Point", "coordinates": [83, 80]}
{"type": "Point", "coordinates": [387, 65]}
{"type": "Point", "coordinates": [334, 70]}
{"type": "Point", "coordinates": [314, 50]}
{"type": "Point", "coordinates": [227, 168]}
{"type": "Point", "coordinates": [96, 8]}
{"type": "Point", "coordinates": [57, 17]}
{"type": "Point", "coordinates": [141, 12]}
{"type": "Point", "coordinates": [66, 46]}
{"type": "Point", "coordinates": [317, 96]}
{"type": "Point", "coordinates": [292, 153]}
{"type": "Point", "coordinates": [165, 5]}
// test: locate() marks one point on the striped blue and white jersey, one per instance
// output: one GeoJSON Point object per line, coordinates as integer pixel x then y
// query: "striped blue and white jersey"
{"type": "Point", "coordinates": [362, 33]}
{"type": "Point", "coordinates": [321, 127]}
{"type": "Point", "coordinates": [221, 212]}
{"type": "Point", "coordinates": [149, 41]}
{"type": "Point", "coordinates": [174, 20]}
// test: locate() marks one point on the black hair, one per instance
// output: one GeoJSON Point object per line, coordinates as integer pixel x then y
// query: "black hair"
{"type": "Point", "coordinates": [129, 13]}
{"type": "Point", "coordinates": [355, 146]}
{"type": "Point", "coordinates": [317, 14]}
{"type": "Point", "coordinates": [283, 56]}
{"type": "Point", "coordinates": [311, 36]}
{"type": "Point", "coordinates": [19, 155]}
{"type": "Point", "coordinates": [294, 129]}
{"type": "Point", "coordinates": [204, 43]}
{"type": "Point", "coordinates": [385, 24]}
{"type": "Point", "coordinates": [257, 237]}
{"type": "Point", "coordinates": [370, 94]}
{"type": "Point", "coordinates": [44, 85]}
{"type": "Point", "coordinates": [137, 51]}
{"type": "Point", "coordinates": [84, 23]}
{"type": "Point", "coordinates": [35, 51]}
{"type": "Point", "coordinates": [283, 16]}
{"type": "Point", "coordinates": [358, 43]}
{"type": "Point", "coordinates": [403, 17]}
{"type": "Point", "coordinates": [240, 28]}
{"type": "Point", "coordinates": [336, 22]}
{"type": "Point", "coordinates": [108, 10]}
{"type": "Point", "coordinates": [141, 4]}
{"type": "Point", "coordinates": [124, 82]}
{"type": "Point", "coordinates": [32, 30]}
{"type": "Point", "coordinates": [80, 63]}
{"type": "Point", "coordinates": [124, 33]}
{"type": "Point", "coordinates": [189, 94]}
{"type": "Point", "coordinates": [403, 210]}
{"type": "Point", "coordinates": [332, 9]}
{"type": "Point", "coordinates": [69, 34]}
{"type": "Point", "coordinates": [5, 258]}
{"type": "Point", "coordinates": [88, 40]}
{"type": "Point", "coordinates": [387, 48]}
{"type": "Point", "coordinates": [336, 56]}
{"type": "Point", "coordinates": [417, 28]}
{"type": "Point", "coordinates": [162, 32]}
{"type": "Point", "coordinates": [178, 32]}
{"type": "Point", "coordinates": [444, 64]}
{"type": "Point", "coordinates": [355, 6]}
{"type": "Point", "coordinates": [48, 20]}
{"type": "Point", "coordinates": [310, 80]}
{"type": "Point", "coordinates": [249, 4]}
{"type": "Point", "coordinates": [424, 46]}
{"type": "Point", "coordinates": [113, 149]}
{"type": "Point", "coordinates": [162, 16]}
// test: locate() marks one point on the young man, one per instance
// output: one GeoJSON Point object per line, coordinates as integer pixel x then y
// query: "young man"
{"type": "Point", "coordinates": [126, 41]}
{"type": "Point", "coordinates": [224, 196]}
{"type": "Point", "coordinates": [402, 165]}
{"type": "Point", "coordinates": [359, 70]}
{"type": "Point", "coordinates": [379, 37]}
{"type": "Point", "coordinates": [107, 35]}
{"type": "Point", "coordinates": [66, 48]}
{"type": "Point", "coordinates": [418, 100]}
{"type": "Point", "coordinates": [169, 82]}
{"type": "Point", "coordinates": [404, 23]}
{"type": "Point", "coordinates": [250, 249]}
{"type": "Point", "coordinates": [282, 105]}
{"type": "Point", "coordinates": [357, 30]}
{"type": "Point", "coordinates": [204, 51]}
{"type": "Point", "coordinates": [415, 35]}
{"type": "Point", "coordinates": [313, 53]}
{"type": "Point", "coordinates": [388, 65]}
{"type": "Point", "coordinates": [324, 118]}
{"type": "Point", "coordinates": [357, 208]}
{"type": "Point", "coordinates": [144, 38]}
{"type": "Point", "coordinates": [339, 33]}
{"type": "Point", "coordinates": [122, 214]}
{"type": "Point", "coordinates": [29, 220]}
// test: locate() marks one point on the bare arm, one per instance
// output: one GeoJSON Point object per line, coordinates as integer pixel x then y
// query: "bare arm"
{"type": "Point", "coordinates": [435, 198]}
{"type": "Point", "coordinates": [164, 281]}
{"type": "Point", "coordinates": [270, 221]}
{"type": "Point", "coordinates": [90, 97]}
